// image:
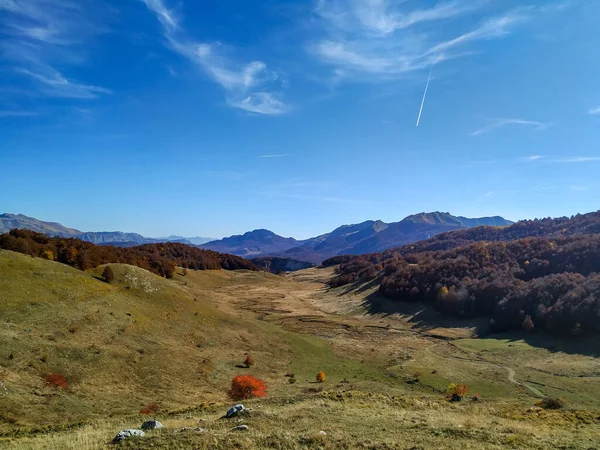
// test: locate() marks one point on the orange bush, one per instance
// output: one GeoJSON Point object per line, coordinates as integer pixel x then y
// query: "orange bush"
{"type": "Point", "coordinates": [461, 390]}
{"type": "Point", "coordinates": [249, 362]}
{"type": "Point", "coordinates": [321, 377]}
{"type": "Point", "coordinates": [56, 381]}
{"type": "Point", "coordinates": [246, 386]}
{"type": "Point", "coordinates": [150, 410]}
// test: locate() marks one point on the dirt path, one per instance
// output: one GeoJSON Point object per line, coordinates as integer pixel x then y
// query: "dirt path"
{"type": "Point", "coordinates": [476, 360]}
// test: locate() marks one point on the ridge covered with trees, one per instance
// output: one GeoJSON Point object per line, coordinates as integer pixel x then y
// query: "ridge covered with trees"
{"type": "Point", "coordinates": [160, 258]}
{"type": "Point", "coordinates": [533, 274]}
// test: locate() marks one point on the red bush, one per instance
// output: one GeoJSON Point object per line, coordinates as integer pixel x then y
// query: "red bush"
{"type": "Point", "coordinates": [56, 381]}
{"type": "Point", "coordinates": [150, 410]}
{"type": "Point", "coordinates": [246, 386]}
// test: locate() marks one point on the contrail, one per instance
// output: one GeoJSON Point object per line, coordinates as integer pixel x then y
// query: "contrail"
{"type": "Point", "coordinates": [425, 93]}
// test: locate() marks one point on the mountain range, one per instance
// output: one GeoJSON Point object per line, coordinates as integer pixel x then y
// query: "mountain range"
{"type": "Point", "coordinates": [11, 221]}
{"type": "Point", "coordinates": [366, 237]}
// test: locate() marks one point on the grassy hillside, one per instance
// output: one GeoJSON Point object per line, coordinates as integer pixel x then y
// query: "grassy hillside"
{"type": "Point", "coordinates": [121, 346]}
{"type": "Point", "coordinates": [178, 342]}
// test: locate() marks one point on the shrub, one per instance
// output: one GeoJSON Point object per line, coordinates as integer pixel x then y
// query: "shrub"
{"type": "Point", "coordinates": [551, 403]}
{"type": "Point", "coordinates": [528, 324]}
{"type": "Point", "coordinates": [476, 397]}
{"type": "Point", "coordinates": [108, 275]}
{"type": "Point", "coordinates": [246, 386]}
{"type": "Point", "coordinates": [150, 409]}
{"type": "Point", "coordinates": [56, 380]}
{"type": "Point", "coordinates": [456, 392]}
{"type": "Point", "coordinates": [249, 362]}
{"type": "Point", "coordinates": [47, 254]}
{"type": "Point", "coordinates": [291, 380]}
{"type": "Point", "coordinates": [321, 377]}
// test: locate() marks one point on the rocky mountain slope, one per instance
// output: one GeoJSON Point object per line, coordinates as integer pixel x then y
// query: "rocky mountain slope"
{"type": "Point", "coordinates": [11, 221]}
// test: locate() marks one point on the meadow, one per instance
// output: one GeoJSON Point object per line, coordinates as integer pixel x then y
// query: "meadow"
{"type": "Point", "coordinates": [176, 344]}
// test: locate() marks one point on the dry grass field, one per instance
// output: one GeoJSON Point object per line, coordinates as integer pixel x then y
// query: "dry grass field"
{"type": "Point", "coordinates": [177, 344]}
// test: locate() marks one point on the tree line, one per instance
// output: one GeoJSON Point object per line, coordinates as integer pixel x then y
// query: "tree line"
{"type": "Point", "coordinates": [160, 258]}
{"type": "Point", "coordinates": [533, 274]}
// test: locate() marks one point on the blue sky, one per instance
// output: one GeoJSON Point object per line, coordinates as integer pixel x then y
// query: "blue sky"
{"type": "Point", "coordinates": [215, 117]}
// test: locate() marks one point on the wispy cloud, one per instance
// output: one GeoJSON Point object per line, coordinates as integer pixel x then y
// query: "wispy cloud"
{"type": "Point", "coordinates": [499, 123]}
{"type": "Point", "coordinates": [274, 156]}
{"type": "Point", "coordinates": [39, 35]}
{"type": "Point", "coordinates": [18, 113]}
{"type": "Point", "coordinates": [531, 158]}
{"type": "Point", "coordinates": [578, 188]}
{"type": "Point", "coordinates": [560, 160]}
{"type": "Point", "coordinates": [248, 85]}
{"type": "Point", "coordinates": [54, 84]}
{"type": "Point", "coordinates": [594, 111]}
{"type": "Point", "coordinates": [375, 40]}
{"type": "Point", "coordinates": [575, 159]}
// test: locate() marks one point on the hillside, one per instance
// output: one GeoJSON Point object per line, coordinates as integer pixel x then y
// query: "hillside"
{"type": "Point", "coordinates": [541, 273]}
{"type": "Point", "coordinates": [122, 346]}
{"type": "Point", "coordinates": [159, 258]}
{"type": "Point", "coordinates": [252, 244]}
{"type": "Point", "coordinates": [11, 221]}
{"type": "Point", "coordinates": [373, 236]}
{"type": "Point", "coordinates": [19, 221]}
{"type": "Point", "coordinates": [275, 264]}
{"type": "Point", "coordinates": [171, 346]}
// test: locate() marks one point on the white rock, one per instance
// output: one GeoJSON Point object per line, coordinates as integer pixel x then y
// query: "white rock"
{"type": "Point", "coordinates": [240, 428]}
{"type": "Point", "coordinates": [151, 425]}
{"type": "Point", "coordinates": [234, 410]}
{"type": "Point", "coordinates": [322, 433]}
{"type": "Point", "coordinates": [126, 434]}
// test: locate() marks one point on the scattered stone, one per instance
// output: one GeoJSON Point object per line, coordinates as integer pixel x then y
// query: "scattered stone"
{"type": "Point", "coordinates": [126, 434]}
{"type": "Point", "coordinates": [234, 411]}
{"type": "Point", "coordinates": [240, 428]}
{"type": "Point", "coordinates": [322, 433]}
{"type": "Point", "coordinates": [194, 429]}
{"type": "Point", "coordinates": [151, 425]}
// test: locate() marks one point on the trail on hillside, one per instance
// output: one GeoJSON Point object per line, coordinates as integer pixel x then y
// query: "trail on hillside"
{"type": "Point", "coordinates": [510, 370]}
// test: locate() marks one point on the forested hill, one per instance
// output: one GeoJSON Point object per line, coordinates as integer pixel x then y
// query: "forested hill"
{"type": "Point", "coordinates": [540, 273]}
{"type": "Point", "coordinates": [160, 258]}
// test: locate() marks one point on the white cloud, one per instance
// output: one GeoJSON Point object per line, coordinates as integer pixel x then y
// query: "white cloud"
{"type": "Point", "coordinates": [376, 40]}
{"type": "Point", "coordinates": [531, 158]}
{"type": "Point", "coordinates": [247, 84]}
{"type": "Point", "coordinates": [594, 111]}
{"type": "Point", "coordinates": [499, 123]}
{"type": "Point", "coordinates": [281, 155]}
{"type": "Point", "coordinates": [40, 34]}
{"type": "Point", "coordinates": [56, 85]}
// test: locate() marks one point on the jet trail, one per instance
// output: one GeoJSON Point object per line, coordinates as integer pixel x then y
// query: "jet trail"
{"type": "Point", "coordinates": [424, 94]}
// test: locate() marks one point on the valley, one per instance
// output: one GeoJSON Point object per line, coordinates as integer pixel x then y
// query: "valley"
{"type": "Point", "coordinates": [176, 343]}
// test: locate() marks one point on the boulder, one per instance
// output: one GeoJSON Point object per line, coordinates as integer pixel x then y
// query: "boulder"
{"type": "Point", "coordinates": [126, 434]}
{"type": "Point", "coordinates": [234, 411]}
{"type": "Point", "coordinates": [151, 425]}
{"type": "Point", "coordinates": [240, 428]}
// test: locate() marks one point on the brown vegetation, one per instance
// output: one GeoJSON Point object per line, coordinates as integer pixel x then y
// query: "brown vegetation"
{"type": "Point", "coordinates": [56, 380]}
{"type": "Point", "coordinates": [548, 281]}
{"type": "Point", "coordinates": [160, 259]}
